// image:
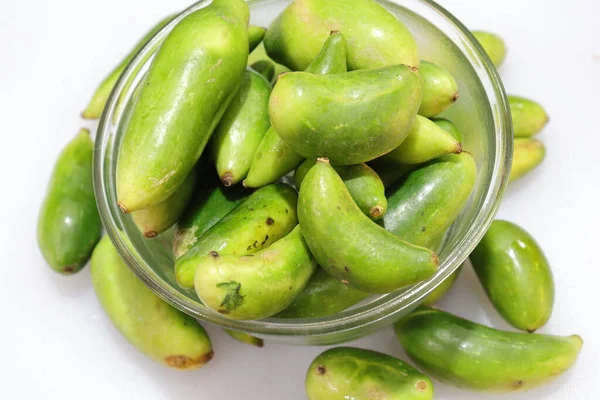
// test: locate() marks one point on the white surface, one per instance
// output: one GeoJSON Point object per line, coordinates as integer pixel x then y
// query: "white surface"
{"type": "Point", "coordinates": [55, 340]}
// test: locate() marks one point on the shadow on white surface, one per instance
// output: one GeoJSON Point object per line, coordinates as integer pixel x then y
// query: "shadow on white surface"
{"type": "Point", "coordinates": [72, 286]}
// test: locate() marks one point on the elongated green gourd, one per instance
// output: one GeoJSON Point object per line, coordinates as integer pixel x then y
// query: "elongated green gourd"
{"type": "Point", "coordinates": [362, 182]}
{"type": "Point", "coordinates": [351, 247]}
{"type": "Point", "coordinates": [434, 196]}
{"type": "Point", "coordinates": [245, 338]}
{"type": "Point", "coordinates": [493, 45]}
{"type": "Point", "coordinates": [241, 129]}
{"type": "Point", "coordinates": [325, 295]}
{"type": "Point", "coordinates": [516, 275]}
{"type": "Point", "coordinates": [266, 68]}
{"type": "Point", "coordinates": [440, 90]}
{"type": "Point", "coordinates": [255, 286]}
{"type": "Point", "coordinates": [449, 127]}
{"type": "Point", "coordinates": [68, 224]}
{"type": "Point", "coordinates": [528, 154]}
{"type": "Point", "coordinates": [156, 219]}
{"type": "Point", "coordinates": [376, 38]}
{"type": "Point", "coordinates": [263, 218]}
{"type": "Point", "coordinates": [424, 142]}
{"type": "Point", "coordinates": [274, 157]}
{"type": "Point", "coordinates": [255, 36]}
{"type": "Point", "coordinates": [423, 206]}
{"type": "Point", "coordinates": [100, 97]}
{"type": "Point", "coordinates": [349, 118]}
{"type": "Point", "coordinates": [192, 79]}
{"type": "Point", "coordinates": [157, 329]}
{"type": "Point", "coordinates": [211, 203]}
{"type": "Point", "coordinates": [351, 373]}
{"type": "Point", "coordinates": [528, 116]}
{"type": "Point", "coordinates": [468, 355]}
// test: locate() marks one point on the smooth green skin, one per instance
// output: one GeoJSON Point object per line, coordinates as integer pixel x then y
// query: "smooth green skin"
{"type": "Point", "coordinates": [528, 154]}
{"type": "Point", "coordinates": [321, 297]}
{"type": "Point", "coordinates": [493, 45]}
{"type": "Point", "coordinates": [364, 185]}
{"type": "Point", "coordinates": [100, 97]}
{"type": "Point", "coordinates": [440, 90]}
{"type": "Point", "coordinates": [351, 117]}
{"type": "Point", "coordinates": [349, 373]}
{"type": "Point", "coordinates": [351, 247]}
{"type": "Point", "coordinates": [163, 333]}
{"type": "Point", "coordinates": [274, 157]}
{"type": "Point", "coordinates": [253, 32]}
{"type": "Point", "coordinates": [439, 292]}
{"type": "Point", "coordinates": [516, 275]}
{"type": "Point", "coordinates": [449, 127]}
{"type": "Point", "coordinates": [260, 220]}
{"type": "Point", "coordinates": [528, 116]}
{"type": "Point", "coordinates": [468, 355]}
{"type": "Point", "coordinates": [260, 54]}
{"type": "Point", "coordinates": [193, 77]}
{"type": "Point", "coordinates": [376, 38]}
{"type": "Point", "coordinates": [156, 219]}
{"type": "Point", "coordinates": [255, 286]}
{"type": "Point", "coordinates": [245, 338]}
{"type": "Point", "coordinates": [255, 36]}
{"type": "Point", "coordinates": [272, 160]}
{"type": "Point", "coordinates": [424, 142]}
{"type": "Point", "coordinates": [68, 223]}
{"type": "Point", "coordinates": [211, 203]}
{"type": "Point", "coordinates": [266, 68]}
{"type": "Point", "coordinates": [241, 129]}
{"type": "Point", "coordinates": [426, 203]}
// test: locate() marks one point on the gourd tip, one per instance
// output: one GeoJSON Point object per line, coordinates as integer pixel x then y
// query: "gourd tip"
{"type": "Point", "coordinates": [376, 211]}
{"type": "Point", "coordinates": [227, 179]}
{"type": "Point", "coordinates": [459, 148]}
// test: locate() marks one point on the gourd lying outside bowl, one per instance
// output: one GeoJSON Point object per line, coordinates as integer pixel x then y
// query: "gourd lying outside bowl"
{"type": "Point", "coordinates": [481, 114]}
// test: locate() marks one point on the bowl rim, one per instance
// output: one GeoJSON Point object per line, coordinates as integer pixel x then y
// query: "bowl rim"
{"type": "Point", "coordinates": [347, 324]}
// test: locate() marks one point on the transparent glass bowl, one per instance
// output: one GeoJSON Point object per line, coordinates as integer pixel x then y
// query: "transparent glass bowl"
{"type": "Point", "coordinates": [482, 114]}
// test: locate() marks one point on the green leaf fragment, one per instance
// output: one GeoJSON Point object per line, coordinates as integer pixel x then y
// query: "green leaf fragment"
{"type": "Point", "coordinates": [233, 299]}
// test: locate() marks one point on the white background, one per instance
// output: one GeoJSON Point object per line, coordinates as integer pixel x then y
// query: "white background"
{"type": "Point", "coordinates": [55, 340]}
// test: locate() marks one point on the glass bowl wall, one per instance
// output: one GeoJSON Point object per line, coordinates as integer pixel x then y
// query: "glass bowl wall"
{"type": "Point", "coordinates": [482, 114]}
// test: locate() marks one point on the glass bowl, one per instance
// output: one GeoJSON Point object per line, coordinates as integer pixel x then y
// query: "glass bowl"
{"type": "Point", "coordinates": [482, 114]}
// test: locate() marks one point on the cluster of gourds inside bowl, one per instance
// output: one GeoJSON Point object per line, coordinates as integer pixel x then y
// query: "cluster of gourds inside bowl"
{"type": "Point", "coordinates": [336, 92]}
